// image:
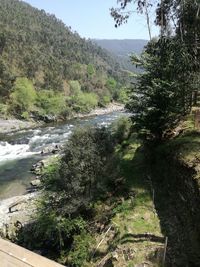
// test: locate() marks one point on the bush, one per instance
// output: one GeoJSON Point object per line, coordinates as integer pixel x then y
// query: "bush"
{"type": "Point", "coordinates": [104, 101]}
{"type": "Point", "coordinates": [84, 166]}
{"type": "Point", "coordinates": [123, 95]}
{"type": "Point", "coordinates": [50, 102]}
{"type": "Point", "coordinates": [25, 115]}
{"type": "Point", "coordinates": [121, 129]}
{"type": "Point", "coordinates": [86, 102]}
{"type": "Point", "coordinates": [80, 101]}
{"type": "Point", "coordinates": [50, 233]}
{"type": "Point", "coordinates": [80, 249]}
{"type": "Point", "coordinates": [75, 87]}
{"type": "Point", "coordinates": [3, 110]}
{"type": "Point", "coordinates": [23, 96]}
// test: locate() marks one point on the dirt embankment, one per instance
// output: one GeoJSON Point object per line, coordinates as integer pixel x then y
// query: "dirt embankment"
{"type": "Point", "coordinates": [175, 171]}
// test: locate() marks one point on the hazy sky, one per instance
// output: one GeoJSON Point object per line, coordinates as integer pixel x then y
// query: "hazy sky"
{"type": "Point", "coordinates": [91, 18]}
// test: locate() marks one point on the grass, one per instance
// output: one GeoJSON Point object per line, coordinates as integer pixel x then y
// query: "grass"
{"type": "Point", "coordinates": [139, 236]}
{"type": "Point", "coordinates": [186, 146]}
{"type": "Point", "coordinates": [135, 218]}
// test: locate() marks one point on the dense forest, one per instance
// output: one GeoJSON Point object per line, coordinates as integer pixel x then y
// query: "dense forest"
{"type": "Point", "coordinates": [44, 60]}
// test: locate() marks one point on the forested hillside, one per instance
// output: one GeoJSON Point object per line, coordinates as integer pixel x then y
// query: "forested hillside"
{"type": "Point", "coordinates": [123, 49]}
{"type": "Point", "coordinates": [38, 51]}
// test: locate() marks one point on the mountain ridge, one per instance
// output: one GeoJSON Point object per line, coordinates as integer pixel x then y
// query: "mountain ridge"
{"type": "Point", "coordinates": [122, 49]}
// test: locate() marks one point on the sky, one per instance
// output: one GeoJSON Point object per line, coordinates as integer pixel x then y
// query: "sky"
{"type": "Point", "coordinates": [91, 19]}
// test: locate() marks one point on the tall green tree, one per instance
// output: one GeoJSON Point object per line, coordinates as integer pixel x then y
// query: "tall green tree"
{"type": "Point", "coordinates": [163, 92]}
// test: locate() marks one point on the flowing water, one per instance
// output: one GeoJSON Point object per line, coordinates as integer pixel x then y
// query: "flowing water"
{"type": "Point", "coordinates": [20, 150]}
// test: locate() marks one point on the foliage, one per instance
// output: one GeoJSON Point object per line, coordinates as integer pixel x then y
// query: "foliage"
{"type": "Point", "coordinates": [3, 110]}
{"type": "Point", "coordinates": [90, 70]}
{"type": "Point", "coordinates": [80, 249]}
{"type": "Point", "coordinates": [23, 96]}
{"type": "Point", "coordinates": [104, 100]}
{"type": "Point", "coordinates": [6, 79]}
{"type": "Point", "coordinates": [75, 87]}
{"type": "Point", "coordinates": [50, 102]}
{"type": "Point", "coordinates": [25, 115]}
{"type": "Point", "coordinates": [163, 92]}
{"type": "Point", "coordinates": [123, 95]}
{"type": "Point", "coordinates": [121, 129]}
{"type": "Point", "coordinates": [39, 47]}
{"type": "Point", "coordinates": [50, 233]}
{"type": "Point", "coordinates": [72, 184]}
{"type": "Point", "coordinates": [51, 175]}
{"type": "Point", "coordinates": [83, 102]}
{"type": "Point", "coordinates": [85, 166]}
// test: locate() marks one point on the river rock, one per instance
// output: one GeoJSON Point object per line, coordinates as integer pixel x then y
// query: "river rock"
{"type": "Point", "coordinates": [35, 183]}
{"type": "Point", "coordinates": [51, 149]}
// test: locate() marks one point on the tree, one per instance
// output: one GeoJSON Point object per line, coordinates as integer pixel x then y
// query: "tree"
{"type": "Point", "coordinates": [122, 14]}
{"type": "Point", "coordinates": [90, 70]}
{"type": "Point", "coordinates": [84, 164]}
{"type": "Point", "coordinates": [23, 96]}
{"type": "Point", "coordinates": [163, 92]}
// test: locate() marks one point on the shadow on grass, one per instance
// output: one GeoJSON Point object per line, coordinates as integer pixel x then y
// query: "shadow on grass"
{"type": "Point", "coordinates": [136, 238]}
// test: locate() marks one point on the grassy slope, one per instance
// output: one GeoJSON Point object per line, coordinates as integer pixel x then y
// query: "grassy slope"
{"type": "Point", "coordinates": [135, 236]}
{"type": "Point", "coordinates": [175, 173]}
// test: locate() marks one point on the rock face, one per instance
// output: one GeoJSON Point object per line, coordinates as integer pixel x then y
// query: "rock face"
{"type": "Point", "coordinates": [15, 212]}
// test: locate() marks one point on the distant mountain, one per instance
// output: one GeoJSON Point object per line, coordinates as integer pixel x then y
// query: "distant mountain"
{"type": "Point", "coordinates": [123, 49]}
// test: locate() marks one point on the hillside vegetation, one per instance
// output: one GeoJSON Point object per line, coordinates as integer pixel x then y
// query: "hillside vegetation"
{"type": "Point", "coordinates": [40, 53]}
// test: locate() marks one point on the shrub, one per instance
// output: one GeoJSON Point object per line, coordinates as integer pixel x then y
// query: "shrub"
{"type": "Point", "coordinates": [104, 101]}
{"type": "Point", "coordinates": [25, 115]}
{"type": "Point", "coordinates": [50, 233]}
{"type": "Point", "coordinates": [121, 129]}
{"type": "Point", "coordinates": [3, 110]}
{"type": "Point", "coordinates": [23, 96]}
{"type": "Point", "coordinates": [80, 249]}
{"type": "Point", "coordinates": [50, 102]}
{"type": "Point", "coordinates": [86, 102]}
{"type": "Point", "coordinates": [75, 87]}
{"type": "Point", "coordinates": [123, 96]}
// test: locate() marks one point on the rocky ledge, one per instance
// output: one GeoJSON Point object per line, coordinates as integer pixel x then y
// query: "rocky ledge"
{"type": "Point", "coordinates": [15, 212]}
{"type": "Point", "coordinates": [7, 126]}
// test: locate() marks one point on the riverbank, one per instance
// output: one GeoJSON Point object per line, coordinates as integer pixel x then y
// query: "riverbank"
{"type": "Point", "coordinates": [126, 229]}
{"type": "Point", "coordinates": [13, 125]}
{"type": "Point", "coordinates": [112, 107]}
{"type": "Point", "coordinates": [15, 212]}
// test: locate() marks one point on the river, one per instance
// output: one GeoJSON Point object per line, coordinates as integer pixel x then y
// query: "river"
{"type": "Point", "coordinates": [20, 150]}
